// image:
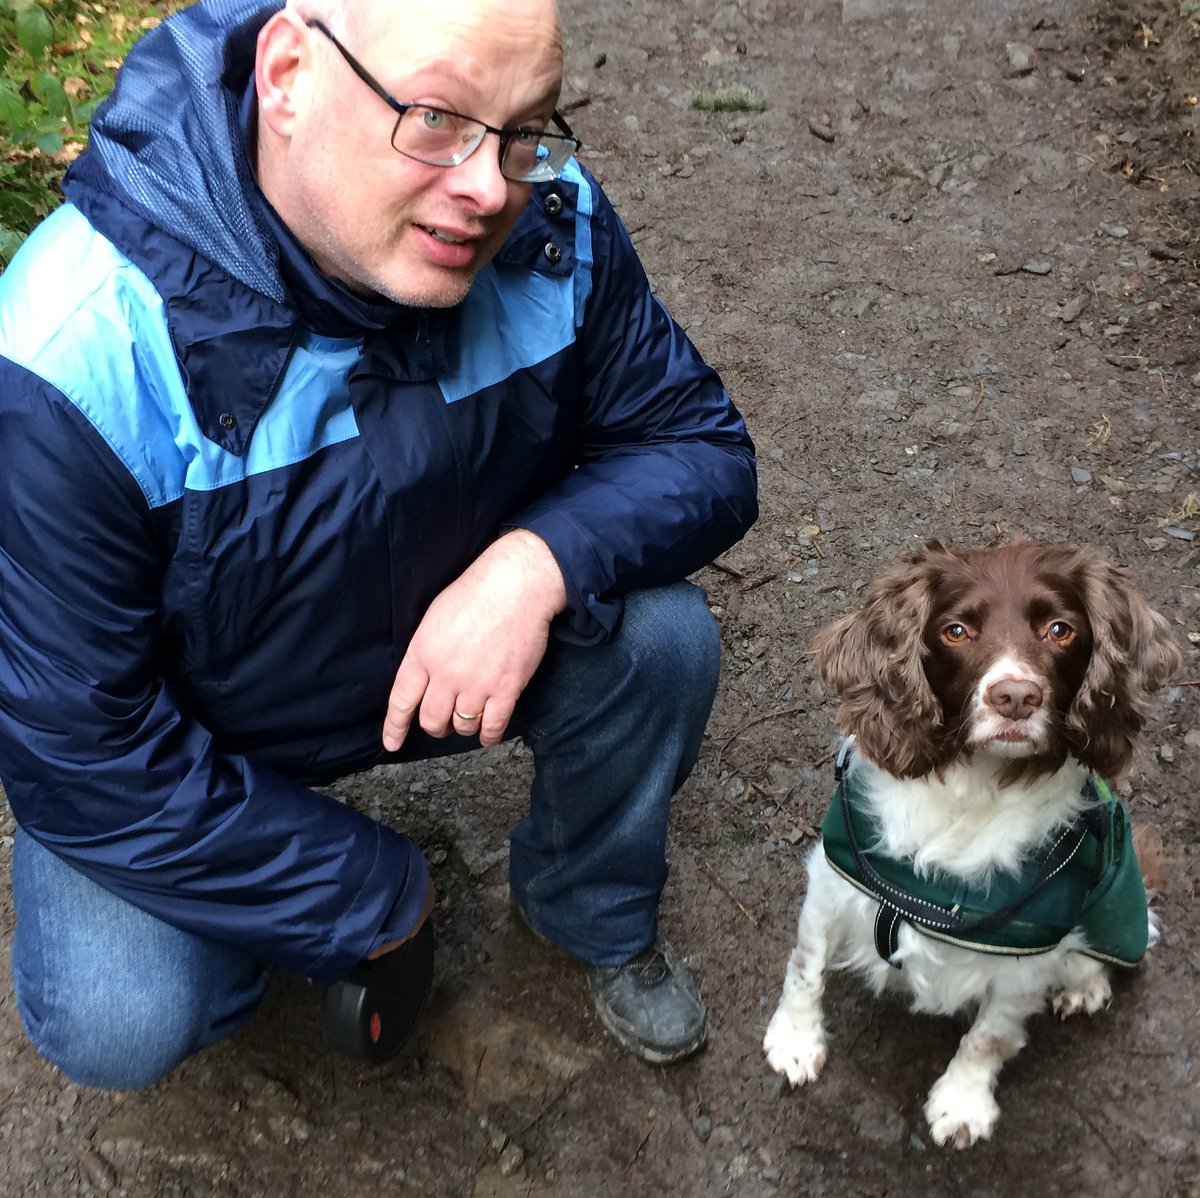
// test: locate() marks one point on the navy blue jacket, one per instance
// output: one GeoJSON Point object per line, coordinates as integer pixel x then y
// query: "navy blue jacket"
{"type": "Point", "coordinates": [230, 489]}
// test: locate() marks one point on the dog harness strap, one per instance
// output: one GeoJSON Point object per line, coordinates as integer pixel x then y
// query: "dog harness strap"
{"type": "Point", "coordinates": [887, 932]}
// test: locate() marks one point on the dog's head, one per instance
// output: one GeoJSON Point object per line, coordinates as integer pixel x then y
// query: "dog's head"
{"type": "Point", "coordinates": [1026, 652]}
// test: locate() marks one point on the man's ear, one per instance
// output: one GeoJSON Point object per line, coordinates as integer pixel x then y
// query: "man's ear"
{"type": "Point", "coordinates": [281, 71]}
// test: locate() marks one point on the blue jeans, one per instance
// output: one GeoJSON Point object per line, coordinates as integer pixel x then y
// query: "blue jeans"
{"type": "Point", "coordinates": [116, 998]}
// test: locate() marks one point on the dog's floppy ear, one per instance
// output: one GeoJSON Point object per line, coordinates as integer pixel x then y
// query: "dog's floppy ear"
{"type": "Point", "coordinates": [1132, 656]}
{"type": "Point", "coordinates": [874, 661]}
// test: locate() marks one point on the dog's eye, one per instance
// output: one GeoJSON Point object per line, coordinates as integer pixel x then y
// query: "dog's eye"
{"type": "Point", "coordinates": [1060, 632]}
{"type": "Point", "coordinates": [955, 634]}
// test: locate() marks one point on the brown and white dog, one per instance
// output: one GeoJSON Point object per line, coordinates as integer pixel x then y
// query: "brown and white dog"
{"type": "Point", "coordinates": [984, 690]}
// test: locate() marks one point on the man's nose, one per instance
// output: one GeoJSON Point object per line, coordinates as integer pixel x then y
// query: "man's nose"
{"type": "Point", "coordinates": [479, 176]}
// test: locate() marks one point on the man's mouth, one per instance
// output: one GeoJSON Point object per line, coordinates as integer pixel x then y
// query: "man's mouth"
{"type": "Point", "coordinates": [443, 237]}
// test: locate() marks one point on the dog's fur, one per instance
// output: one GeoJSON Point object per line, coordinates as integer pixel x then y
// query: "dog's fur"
{"type": "Point", "coordinates": [981, 687]}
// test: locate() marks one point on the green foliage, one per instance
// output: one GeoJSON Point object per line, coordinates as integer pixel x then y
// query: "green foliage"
{"type": "Point", "coordinates": [57, 60]}
{"type": "Point", "coordinates": [729, 99]}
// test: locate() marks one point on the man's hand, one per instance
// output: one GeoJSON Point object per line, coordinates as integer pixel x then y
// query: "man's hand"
{"type": "Point", "coordinates": [479, 644]}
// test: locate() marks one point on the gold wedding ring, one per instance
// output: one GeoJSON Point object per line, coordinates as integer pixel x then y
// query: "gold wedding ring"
{"type": "Point", "coordinates": [468, 719]}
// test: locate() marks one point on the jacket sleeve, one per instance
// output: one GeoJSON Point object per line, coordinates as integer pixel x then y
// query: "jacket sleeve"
{"type": "Point", "coordinates": [666, 474]}
{"type": "Point", "coordinates": [105, 767]}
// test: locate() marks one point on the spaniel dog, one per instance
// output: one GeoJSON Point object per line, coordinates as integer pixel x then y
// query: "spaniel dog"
{"type": "Point", "coordinates": [973, 855]}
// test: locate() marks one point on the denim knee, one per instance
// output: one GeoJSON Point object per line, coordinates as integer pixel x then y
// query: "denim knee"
{"type": "Point", "coordinates": [110, 995]}
{"type": "Point", "coordinates": [122, 1038]}
{"type": "Point", "coordinates": [674, 643]}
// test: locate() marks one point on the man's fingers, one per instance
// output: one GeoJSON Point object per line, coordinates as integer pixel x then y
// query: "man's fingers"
{"type": "Point", "coordinates": [494, 724]}
{"type": "Point", "coordinates": [467, 717]}
{"type": "Point", "coordinates": [407, 692]}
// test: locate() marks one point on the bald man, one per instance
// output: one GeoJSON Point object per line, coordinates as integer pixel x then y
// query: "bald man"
{"type": "Point", "coordinates": [349, 433]}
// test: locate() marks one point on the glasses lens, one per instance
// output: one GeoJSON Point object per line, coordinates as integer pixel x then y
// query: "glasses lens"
{"type": "Point", "coordinates": [436, 137]}
{"type": "Point", "coordinates": [534, 158]}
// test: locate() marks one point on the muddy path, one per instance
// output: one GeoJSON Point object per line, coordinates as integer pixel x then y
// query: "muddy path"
{"type": "Point", "coordinates": [949, 273]}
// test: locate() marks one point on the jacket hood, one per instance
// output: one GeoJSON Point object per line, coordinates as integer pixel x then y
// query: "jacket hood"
{"type": "Point", "coordinates": [167, 142]}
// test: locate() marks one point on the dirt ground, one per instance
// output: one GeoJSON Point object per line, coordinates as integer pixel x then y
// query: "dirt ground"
{"type": "Point", "coordinates": [950, 275]}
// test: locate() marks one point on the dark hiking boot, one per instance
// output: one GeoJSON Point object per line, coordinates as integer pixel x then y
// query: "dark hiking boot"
{"type": "Point", "coordinates": [650, 1005]}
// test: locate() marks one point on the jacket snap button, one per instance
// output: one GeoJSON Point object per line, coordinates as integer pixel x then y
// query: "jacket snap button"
{"type": "Point", "coordinates": [553, 253]}
{"type": "Point", "coordinates": [553, 204]}
{"type": "Point", "coordinates": [227, 420]}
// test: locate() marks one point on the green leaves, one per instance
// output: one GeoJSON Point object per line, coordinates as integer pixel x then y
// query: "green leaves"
{"type": "Point", "coordinates": [34, 32]}
{"type": "Point", "coordinates": [36, 114]}
{"type": "Point", "coordinates": [49, 90]}
{"type": "Point", "coordinates": [57, 59]}
{"type": "Point", "coordinates": [12, 107]}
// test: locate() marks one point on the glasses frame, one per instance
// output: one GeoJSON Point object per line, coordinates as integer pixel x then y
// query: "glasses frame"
{"type": "Point", "coordinates": [399, 108]}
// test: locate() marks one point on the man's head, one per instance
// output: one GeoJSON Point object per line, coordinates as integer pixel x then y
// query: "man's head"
{"type": "Point", "coordinates": [371, 216]}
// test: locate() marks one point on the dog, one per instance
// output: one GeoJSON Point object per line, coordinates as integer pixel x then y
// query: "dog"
{"type": "Point", "coordinates": [974, 855]}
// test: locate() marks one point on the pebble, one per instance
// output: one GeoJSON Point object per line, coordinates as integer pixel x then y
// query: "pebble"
{"type": "Point", "coordinates": [1073, 308]}
{"type": "Point", "coordinates": [1037, 268]}
{"type": "Point", "coordinates": [1117, 231]}
{"type": "Point", "coordinates": [1192, 739]}
{"type": "Point", "coordinates": [702, 1125]}
{"type": "Point", "coordinates": [1166, 753]}
{"type": "Point", "coordinates": [1021, 57]}
{"type": "Point", "coordinates": [1180, 534]}
{"type": "Point", "coordinates": [1080, 476]}
{"type": "Point", "coordinates": [511, 1159]}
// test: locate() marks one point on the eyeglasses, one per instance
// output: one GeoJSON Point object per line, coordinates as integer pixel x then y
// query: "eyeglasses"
{"type": "Point", "coordinates": [441, 137]}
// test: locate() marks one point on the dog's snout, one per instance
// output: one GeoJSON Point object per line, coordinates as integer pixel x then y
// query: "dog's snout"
{"type": "Point", "coordinates": [1014, 698]}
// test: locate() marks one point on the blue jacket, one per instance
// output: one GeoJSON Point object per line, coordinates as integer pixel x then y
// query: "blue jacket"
{"type": "Point", "coordinates": [230, 488]}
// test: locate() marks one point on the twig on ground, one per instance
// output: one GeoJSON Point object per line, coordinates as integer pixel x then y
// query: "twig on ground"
{"type": "Point", "coordinates": [760, 719]}
{"type": "Point", "coordinates": [732, 571]}
{"type": "Point", "coordinates": [544, 1109]}
{"type": "Point", "coordinates": [708, 869]}
{"type": "Point", "coordinates": [638, 1150]}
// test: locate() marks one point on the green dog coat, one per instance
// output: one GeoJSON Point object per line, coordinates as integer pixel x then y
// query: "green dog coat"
{"type": "Point", "coordinates": [1088, 878]}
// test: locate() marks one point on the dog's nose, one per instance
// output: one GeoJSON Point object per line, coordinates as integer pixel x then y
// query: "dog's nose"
{"type": "Point", "coordinates": [1014, 698]}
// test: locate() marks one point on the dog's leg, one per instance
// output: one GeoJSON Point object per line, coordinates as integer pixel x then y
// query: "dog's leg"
{"type": "Point", "coordinates": [961, 1107]}
{"type": "Point", "coordinates": [795, 1039]}
{"type": "Point", "coordinates": [1085, 987]}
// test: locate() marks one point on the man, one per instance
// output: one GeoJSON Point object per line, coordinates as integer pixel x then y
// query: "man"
{"type": "Point", "coordinates": [341, 428]}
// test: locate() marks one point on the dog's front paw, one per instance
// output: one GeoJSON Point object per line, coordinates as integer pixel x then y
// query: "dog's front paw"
{"type": "Point", "coordinates": [798, 1052]}
{"type": "Point", "coordinates": [959, 1114]}
{"type": "Point", "coordinates": [1090, 996]}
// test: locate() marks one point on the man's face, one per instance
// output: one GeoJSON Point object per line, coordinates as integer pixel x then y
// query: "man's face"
{"type": "Point", "coordinates": [372, 217]}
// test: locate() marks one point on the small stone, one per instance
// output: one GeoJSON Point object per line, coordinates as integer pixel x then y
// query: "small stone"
{"type": "Point", "coordinates": [1073, 308]}
{"type": "Point", "coordinates": [511, 1159]}
{"type": "Point", "coordinates": [702, 1126]}
{"type": "Point", "coordinates": [1180, 534]}
{"type": "Point", "coordinates": [1116, 231]}
{"type": "Point", "coordinates": [1166, 753]}
{"type": "Point", "coordinates": [1192, 739]}
{"type": "Point", "coordinates": [1080, 477]}
{"type": "Point", "coordinates": [1037, 268]}
{"type": "Point", "coordinates": [1021, 58]}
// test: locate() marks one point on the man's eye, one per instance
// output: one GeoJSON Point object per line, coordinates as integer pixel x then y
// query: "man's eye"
{"type": "Point", "coordinates": [1060, 632]}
